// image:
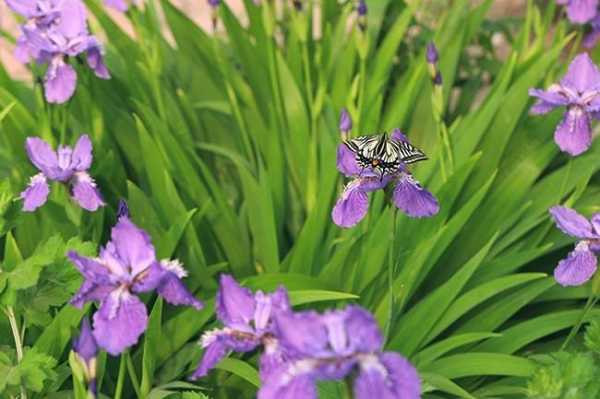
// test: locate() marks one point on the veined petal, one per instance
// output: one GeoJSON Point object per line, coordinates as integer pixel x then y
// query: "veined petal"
{"type": "Point", "coordinates": [363, 331]}
{"type": "Point", "coordinates": [120, 321]}
{"type": "Point", "coordinates": [81, 158]}
{"type": "Point", "coordinates": [574, 135]}
{"type": "Point", "coordinates": [303, 333]}
{"type": "Point", "coordinates": [133, 246]}
{"type": "Point", "coordinates": [346, 161]}
{"type": "Point", "coordinates": [213, 354]}
{"type": "Point", "coordinates": [596, 224]}
{"type": "Point", "coordinates": [95, 59]}
{"type": "Point", "coordinates": [60, 82]}
{"type": "Point", "coordinates": [413, 199]}
{"type": "Point", "coordinates": [86, 193]}
{"type": "Point", "coordinates": [285, 386]}
{"type": "Point", "coordinates": [547, 99]}
{"type": "Point", "coordinates": [91, 291]}
{"type": "Point", "coordinates": [41, 155]}
{"type": "Point", "coordinates": [577, 268]}
{"type": "Point", "coordinates": [352, 206]}
{"type": "Point", "coordinates": [27, 8]}
{"type": "Point", "coordinates": [72, 21]}
{"type": "Point", "coordinates": [175, 292]}
{"type": "Point", "coordinates": [582, 74]}
{"type": "Point", "coordinates": [235, 304]}
{"type": "Point", "coordinates": [571, 222]}
{"type": "Point", "coordinates": [36, 194]}
{"type": "Point", "coordinates": [403, 378]}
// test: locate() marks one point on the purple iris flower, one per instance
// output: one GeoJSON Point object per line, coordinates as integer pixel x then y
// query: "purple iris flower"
{"type": "Point", "coordinates": [331, 346]}
{"type": "Point", "coordinates": [581, 263]}
{"type": "Point", "coordinates": [580, 11]}
{"type": "Point", "coordinates": [127, 266]}
{"type": "Point", "coordinates": [56, 30]}
{"type": "Point", "coordinates": [86, 349]}
{"type": "Point", "coordinates": [579, 92]}
{"type": "Point", "coordinates": [120, 5]}
{"type": "Point", "coordinates": [591, 39]}
{"type": "Point", "coordinates": [66, 165]}
{"type": "Point", "coordinates": [345, 124]}
{"type": "Point", "coordinates": [353, 204]}
{"type": "Point", "coordinates": [247, 320]}
{"type": "Point", "coordinates": [362, 8]}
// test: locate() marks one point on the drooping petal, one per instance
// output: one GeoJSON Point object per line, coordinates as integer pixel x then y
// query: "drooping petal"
{"type": "Point", "coordinates": [571, 222]}
{"type": "Point", "coordinates": [346, 161]}
{"type": "Point", "coordinates": [547, 99]}
{"type": "Point", "coordinates": [95, 59]}
{"type": "Point", "coordinates": [582, 11]}
{"type": "Point", "coordinates": [85, 192]}
{"type": "Point", "coordinates": [42, 156]}
{"type": "Point", "coordinates": [284, 386]}
{"type": "Point", "coordinates": [120, 321]}
{"type": "Point", "coordinates": [574, 135]}
{"type": "Point", "coordinates": [81, 157]}
{"type": "Point", "coordinates": [60, 82]}
{"type": "Point", "coordinates": [91, 268]}
{"type": "Point", "coordinates": [596, 224]}
{"type": "Point", "coordinates": [213, 354]}
{"type": "Point", "coordinates": [370, 383]}
{"type": "Point", "coordinates": [133, 246]}
{"type": "Point", "coordinates": [403, 378]}
{"type": "Point", "coordinates": [91, 291]}
{"type": "Point", "coordinates": [577, 268]}
{"type": "Point", "coordinates": [22, 50]}
{"type": "Point", "coordinates": [36, 194]}
{"type": "Point", "coordinates": [85, 344]}
{"type": "Point", "coordinates": [235, 304]}
{"type": "Point", "coordinates": [98, 282]}
{"type": "Point", "coordinates": [582, 74]}
{"type": "Point", "coordinates": [351, 207]}
{"type": "Point", "coordinates": [175, 292]}
{"type": "Point", "coordinates": [413, 199]}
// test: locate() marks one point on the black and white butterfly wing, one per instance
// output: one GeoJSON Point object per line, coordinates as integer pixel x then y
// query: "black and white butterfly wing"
{"type": "Point", "coordinates": [407, 152]}
{"type": "Point", "coordinates": [364, 147]}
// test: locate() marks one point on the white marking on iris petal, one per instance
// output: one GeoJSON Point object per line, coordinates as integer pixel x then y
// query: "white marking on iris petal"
{"type": "Point", "coordinates": [174, 266]}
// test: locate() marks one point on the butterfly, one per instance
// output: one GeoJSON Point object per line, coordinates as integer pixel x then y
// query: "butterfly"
{"type": "Point", "coordinates": [383, 153]}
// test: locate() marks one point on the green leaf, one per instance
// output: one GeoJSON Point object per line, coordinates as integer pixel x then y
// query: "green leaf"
{"type": "Point", "coordinates": [241, 369]}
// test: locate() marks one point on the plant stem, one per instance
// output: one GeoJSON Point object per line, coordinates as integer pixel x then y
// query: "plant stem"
{"type": "Point", "coordinates": [121, 377]}
{"type": "Point", "coordinates": [589, 305]}
{"type": "Point", "coordinates": [133, 375]}
{"type": "Point", "coordinates": [14, 327]}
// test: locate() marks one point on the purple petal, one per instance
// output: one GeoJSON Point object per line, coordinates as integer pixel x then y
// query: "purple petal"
{"type": "Point", "coordinates": [403, 379]}
{"type": "Point", "coordinates": [267, 305]}
{"type": "Point", "coordinates": [22, 50]}
{"type": "Point", "coordinates": [120, 321]}
{"type": "Point", "coordinates": [398, 135]}
{"type": "Point", "coordinates": [596, 224]}
{"type": "Point", "coordinates": [41, 155]}
{"type": "Point", "coordinates": [364, 333]}
{"type": "Point", "coordinates": [345, 124]}
{"type": "Point", "coordinates": [120, 5]}
{"type": "Point", "coordinates": [303, 333]}
{"type": "Point", "coordinates": [547, 99]}
{"type": "Point", "coordinates": [85, 192]}
{"type": "Point", "coordinates": [90, 268]}
{"type": "Point", "coordinates": [85, 344]}
{"type": "Point", "coordinates": [286, 387]}
{"type": "Point", "coordinates": [81, 158]}
{"type": "Point", "coordinates": [346, 161]}
{"type": "Point", "coordinates": [173, 290]}
{"type": "Point", "coordinates": [91, 291]}
{"type": "Point", "coordinates": [235, 304]}
{"type": "Point", "coordinates": [582, 74]}
{"type": "Point", "coordinates": [577, 268]}
{"type": "Point", "coordinates": [581, 11]}
{"type": "Point", "coordinates": [72, 21]}
{"type": "Point", "coordinates": [591, 39]}
{"type": "Point", "coordinates": [571, 222]}
{"type": "Point", "coordinates": [413, 199]}
{"type": "Point", "coordinates": [574, 135]}
{"type": "Point", "coordinates": [60, 82]}
{"type": "Point", "coordinates": [95, 59]}
{"type": "Point", "coordinates": [27, 8]}
{"type": "Point", "coordinates": [371, 383]}
{"type": "Point", "coordinates": [133, 246]}
{"type": "Point", "coordinates": [352, 206]}
{"type": "Point", "coordinates": [36, 194]}
{"type": "Point", "coordinates": [212, 355]}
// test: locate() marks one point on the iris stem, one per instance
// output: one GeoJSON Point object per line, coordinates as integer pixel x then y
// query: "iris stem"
{"type": "Point", "coordinates": [121, 377]}
{"type": "Point", "coordinates": [391, 264]}
{"type": "Point", "coordinates": [589, 305]}
{"type": "Point", "coordinates": [14, 327]}
{"type": "Point", "coordinates": [133, 376]}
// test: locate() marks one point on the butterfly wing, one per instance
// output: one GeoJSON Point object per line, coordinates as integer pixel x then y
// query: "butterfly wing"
{"type": "Point", "coordinates": [407, 152]}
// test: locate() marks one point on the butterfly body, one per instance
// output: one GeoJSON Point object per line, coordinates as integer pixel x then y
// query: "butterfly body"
{"type": "Point", "coordinates": [384, 154]}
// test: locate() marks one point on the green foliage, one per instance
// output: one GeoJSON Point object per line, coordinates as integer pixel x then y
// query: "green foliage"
{"type": "Point", "coordinates": [224, 146]}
